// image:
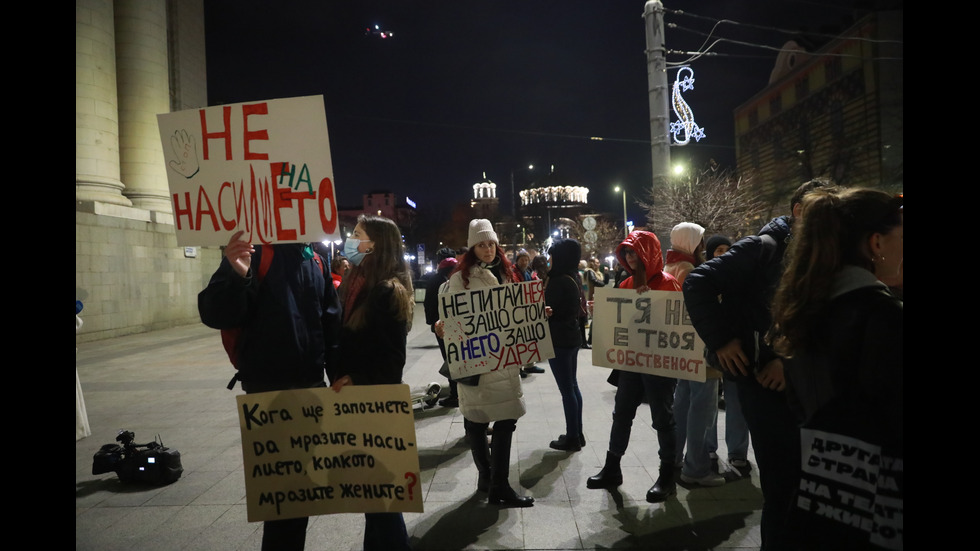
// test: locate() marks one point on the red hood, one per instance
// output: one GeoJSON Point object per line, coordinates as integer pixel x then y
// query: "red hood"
{"type": "Point", "coordinates": [647, 247]}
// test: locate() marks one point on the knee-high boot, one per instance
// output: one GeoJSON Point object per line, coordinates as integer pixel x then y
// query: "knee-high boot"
{"type": "Point", "coordinates": [500, 491]}
{"type": "Point", "coordinates": [480, 449]}
{"type": "Point", "coordinates": [665, 486]}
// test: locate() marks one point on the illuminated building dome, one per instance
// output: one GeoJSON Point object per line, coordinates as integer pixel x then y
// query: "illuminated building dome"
{"type": "Point", "coordinates": [553, 191]}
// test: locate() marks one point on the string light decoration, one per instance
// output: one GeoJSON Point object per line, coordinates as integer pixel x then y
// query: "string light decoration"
{"type": "Point", "coordinates": [684, 128]}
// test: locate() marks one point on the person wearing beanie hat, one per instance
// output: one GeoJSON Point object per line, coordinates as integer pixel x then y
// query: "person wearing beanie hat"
{"type": "Point", "coordinates": [494, 397]}
{"type": "Point", "coordinates": [736, 430]}
{"type": "Point", "coordinates": [716, 245]}
{"type": "Point", "coordinates": [481, 230]}
{"type": "Point", "coordinates": [695, 403]}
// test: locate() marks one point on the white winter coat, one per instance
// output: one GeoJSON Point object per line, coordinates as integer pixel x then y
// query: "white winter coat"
{"type": "Point", "coordinates": [499, 395]}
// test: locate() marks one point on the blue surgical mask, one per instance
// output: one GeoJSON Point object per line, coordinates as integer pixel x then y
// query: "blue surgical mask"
{"type": "Point", "coordinates": [350, 250]}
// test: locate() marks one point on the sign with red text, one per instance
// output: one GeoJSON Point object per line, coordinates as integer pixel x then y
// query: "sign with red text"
{"type": "Point", "coordinates": [647, 332]}
{"type": "Point", "coordinates": [495, 328]}
{"type": "Point", "coordinates": [260, 167]}
{"type": "Point", "coordinates": [316, 451]}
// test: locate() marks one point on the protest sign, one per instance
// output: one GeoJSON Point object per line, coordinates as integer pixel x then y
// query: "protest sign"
{"type": "Point", "coordinates": [850, 488]}
{"type": "Point", "coordinates": [646, 332]}
{"type": "Point", "coordinates": [262, 167]}
{"type": "Point", "coordinates": [315, 451]}
{"type": "Point", "coordinates": [495, 328]}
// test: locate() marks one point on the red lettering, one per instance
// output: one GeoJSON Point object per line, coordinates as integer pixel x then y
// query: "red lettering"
{"type": "Point", "coordinates": [227, 224]}
{"type": "Point", "coordinates": [250, 135]}
{"type": "Point", "coordinates": [328, 217]}
{"type": "Point", "coordinates": [260, 222]}
{"type": "Point", "coordinates": [283, 200]}
{"type": "Point", "coordinates": [180, 212]}
{"type": "Point", "coordinates": [202, 197]}
{"type": "Point", "coordinates": [225, 134]}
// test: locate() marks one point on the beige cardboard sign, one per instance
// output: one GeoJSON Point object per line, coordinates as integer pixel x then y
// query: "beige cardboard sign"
{"type": "Point", "coordinates": [261, 167]}
{"type": "Point", "coordinates": [495, 328]}
{"type": "Point", "coordinates": [315, 451]}
{"type": "Point", "coordinates": [648, 332]}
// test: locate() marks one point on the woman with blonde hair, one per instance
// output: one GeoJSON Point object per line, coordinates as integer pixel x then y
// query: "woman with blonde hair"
{"type": "Point", "coordinates": [376, 294]}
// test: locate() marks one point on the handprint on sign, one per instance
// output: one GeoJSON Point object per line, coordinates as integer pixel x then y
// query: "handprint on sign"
{"type": "Point", "coordinates": [186, 163]}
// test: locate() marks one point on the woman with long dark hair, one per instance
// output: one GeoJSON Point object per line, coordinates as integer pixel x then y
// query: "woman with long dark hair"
{"type": "Point", "coordinates": [563, 294]}
{"type": "Point", "coordinates": [496, 396]}
{"type": "Point", "coordinates": [376, 294]}
{"type": "Point", "coordinates": [841, 328]}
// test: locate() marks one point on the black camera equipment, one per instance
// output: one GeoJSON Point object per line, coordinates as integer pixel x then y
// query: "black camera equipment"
{"type": "Point", "coordinates": [150, 463]}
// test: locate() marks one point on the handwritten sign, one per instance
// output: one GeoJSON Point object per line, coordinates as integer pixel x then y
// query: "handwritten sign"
{"type": "Point", "coordinates": [495, 328]}
{"type": "Point", "coordinates": [851, 483]}
{"type": "Point", "coordinates": [315, 451]}
{"type": "Point", "coordinates": [647, 333]}
{"type": "Point", "coordinates": [263, 168]}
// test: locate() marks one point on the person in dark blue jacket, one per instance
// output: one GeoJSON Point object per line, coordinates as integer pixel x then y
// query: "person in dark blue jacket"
{"type": "Point", "coordinates": [728, 299]}
{"type": "Point", "coordinates": [289, 321]}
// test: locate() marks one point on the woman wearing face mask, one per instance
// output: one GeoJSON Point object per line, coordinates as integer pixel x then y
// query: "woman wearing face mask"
{"type": "Point", "coordinates": [497, 396]}
{"type": "Point", "coordinates": [376, 294]}
{"type": "Point", "coordinates": [841, 328]}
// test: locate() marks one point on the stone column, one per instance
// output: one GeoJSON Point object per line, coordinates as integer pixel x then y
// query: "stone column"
{"type": "Point", "coordinates": [96, 109]}
{"type": "Point", "coordinates": [144, 92]}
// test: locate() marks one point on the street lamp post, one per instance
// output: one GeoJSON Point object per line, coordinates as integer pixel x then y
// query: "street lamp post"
{"type": "Point", "coordinates": [513, 196]}
{"type": "Point", "coordinates": [626, 230]}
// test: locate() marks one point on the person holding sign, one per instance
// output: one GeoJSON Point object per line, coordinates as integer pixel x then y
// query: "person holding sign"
{"type": "Point", "coordinates": [378, 303]}
{"type": "Point", "coordinates": [497, 395]}
{"type": "Point", "coordinates": [563, 295]}
{"type": "Point", "coordinates": [289, 323]}
{"type": "Point", "coordinates": [640, 254]}
{"type": "Point", "coordinates": [841, 330]}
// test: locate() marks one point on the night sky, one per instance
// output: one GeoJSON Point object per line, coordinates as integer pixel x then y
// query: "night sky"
{"type": "Point", "coordinates": [466, 87]}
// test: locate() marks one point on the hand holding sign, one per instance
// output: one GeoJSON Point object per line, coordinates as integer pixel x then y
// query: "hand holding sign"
{"type": "Point", "coordinates": [185, 151]}
{"type": "Point", "coordinates": [239, 254]}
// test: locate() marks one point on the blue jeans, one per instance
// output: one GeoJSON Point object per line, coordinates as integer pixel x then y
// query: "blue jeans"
{"type": "Point", "coordinates": [695, 412]}
{"type": "Point", "coordinates": [631, 389]}
{"type": "Point", "coordinates": [736, 430]}
{"type": "Point", "coordinates": [564, 366]}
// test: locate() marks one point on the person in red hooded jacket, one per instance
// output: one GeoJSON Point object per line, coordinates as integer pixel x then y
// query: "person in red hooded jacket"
{"type": "Point", "coordinates": [640, 254]}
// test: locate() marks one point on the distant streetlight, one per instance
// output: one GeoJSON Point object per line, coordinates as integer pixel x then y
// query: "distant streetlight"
{"type": "Point", "coordinates": [626, 230]}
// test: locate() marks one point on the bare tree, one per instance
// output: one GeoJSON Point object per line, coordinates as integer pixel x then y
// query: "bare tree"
{"type": "Point", "coordinates": [604, 237]}
{"type": "Point", "coordinates": [716, 199]}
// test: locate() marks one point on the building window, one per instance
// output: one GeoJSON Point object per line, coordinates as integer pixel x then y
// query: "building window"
{"type": "Point", "coordinates": [836, 119]}
{"type": "Point", "coordinates": [753, 118]}
{"type": "Point", "coordinates": [834, 69]}
{"type": "Point", "coordinates": [776, 104]}
{"type": "Point", "coordinates": [802, 88]}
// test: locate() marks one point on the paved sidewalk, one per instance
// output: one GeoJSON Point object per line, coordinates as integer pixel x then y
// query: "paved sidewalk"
{"type": "Point", "coordinates": [172, 383]}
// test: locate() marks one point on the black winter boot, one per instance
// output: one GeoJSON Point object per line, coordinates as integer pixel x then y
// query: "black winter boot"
{"type": "Point", "coordinates": [500, 491]}
{"type": "Point", "coordinates": [664, 487]}
{"type": "Point", "coordinates": [480, 449]}
{"type": "Point", "coordinates": [609, 477]}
